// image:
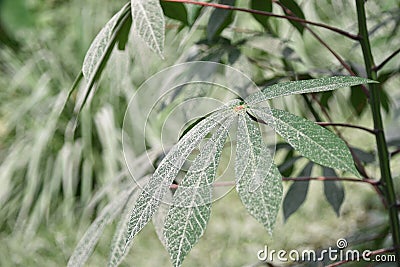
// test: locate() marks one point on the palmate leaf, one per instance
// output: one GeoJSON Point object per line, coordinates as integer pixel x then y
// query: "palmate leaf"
{"type": "Point", "coordinates": [305, 86]}
{"type": "Point", "coordinates": [311, 140]}
{"type": "Point", "coordinates": [148, 23]}
{"type": "Point", "coordinates": [258, 181]}
{"type": "Point", "coordinates": [154, 191]}
{"type": "Point", "coordinates": [188, 217]}
{"type": "Point", "coordinates": [89, 240]}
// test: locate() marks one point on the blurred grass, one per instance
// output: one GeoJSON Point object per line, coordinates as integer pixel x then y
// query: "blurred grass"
{"type": "Point", "coordinates": [49, 176]}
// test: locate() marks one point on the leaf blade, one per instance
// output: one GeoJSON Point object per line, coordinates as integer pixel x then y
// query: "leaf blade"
{"type": "Point", "coordinates": [311, 140]}
{"type": "Point", "coordinates": [297, 193]}
{"type": "Point", "coordinates": [262, 6]}
{"type": "Point", "coordinates": [219, 20]}
{"type": "Point", "coordinates": [305, 86]}
{"type": "Point", "coordinates": [293, 9]}
{"type": "Point", "coordinates": [148, 22]}
{"type": "Point", "coordinates": [188, 217]}
{"type": "Point", "coordinates": [334, 191]}
{"type": "Point", "coordinates": [89, 240]}
{"type": "Point", "coordinates": [259, 185]}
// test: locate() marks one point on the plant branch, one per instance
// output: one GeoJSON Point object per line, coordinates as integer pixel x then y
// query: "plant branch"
{"type": "Point", "coordinates": [375, 103]}
{"type": "Point", "coordinates": [394, 153]}
{"type": "Point", "coordinates": [325, 44]}
{"type": "Point", "coordinates": [380, 66]}
{"type": "Point", "coordinates": [269, 14]}
{"type": "Point", "coordinates": [371, 131]}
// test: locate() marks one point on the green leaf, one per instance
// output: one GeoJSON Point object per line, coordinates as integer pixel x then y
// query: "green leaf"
{"type": "Point", "coordinates": [305, 86]}
{"type": "Point", "coordinates": [262, 5]}
{"type": "Point", "coordinates": [123, 34]}
{"type": "Point", "coordinates": [258, 181]}
{"type": "Point", "coordinates": [148, 23]}
{"type": "Point", "coordinates": [219, 20]}
{"type": "Point", "coordinates": [358, 100]}
{"type": "Point", "coordinates": [99, 52]}
{"type": "Point", "coordinates": [297, 193]}
{"type": "Point", "coordinates": [188, 217]}
{"type": "Point", "coordinates": [89, 240]}
{"type": "Point", "coordinates": [334, 191]}
{"type": "Point", "coordinates": [311, 140]}
{"type": "Point", "coordinates": [100, 45]}
{"type": "Point", "coordinates": [154, 191]}
{"type": "Point", "coordinates": [175, 10]}
{"type": "Point", "coordinates": [295, 11]}
{"type": "Point", "coordinates": [193, 13]}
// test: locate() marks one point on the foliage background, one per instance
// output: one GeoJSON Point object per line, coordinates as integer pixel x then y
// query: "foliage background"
{"type": "Point", "coordinates": [53, 184]}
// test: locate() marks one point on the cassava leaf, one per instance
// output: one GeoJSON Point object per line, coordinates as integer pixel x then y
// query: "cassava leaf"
{"type": "Point", "coordinates": [334, 191]}
{"type": "Point", "coordinates": [219, 20]}
{"type": "Point", "coordinates": [99, 46]}
{"type": "Point", "coordinates": [258, 181]}
{"type": "Point", "coordinates": [262, 5]}
{"type": "Point", "coordinates": [148, 23]}
{"type": "Point", "coordinates": [155, 190]}
{"type": "Point", "coordinates": [305, 86]}
{"type": "Point", "coordinates": [118, 243]}
{"type": "Point", "coordinates": [188, 217]}
{"type": "Point", "coordinates": [311, 140]}
{"type": "Point", "coordinates": [297, 193]}
{"type": "Point", "coordinates": [89, 240]}
{"type": "Point", "coordinates": [123, 34]}
{"type": "Point", "coordinates": [100, 51]}
{"type": "Point", "coordinates": [293, 9]}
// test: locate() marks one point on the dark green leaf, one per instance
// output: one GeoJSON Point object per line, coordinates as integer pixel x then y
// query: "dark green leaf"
{"type": "Point", "coordinates": [175, 10]}
{"type": "Point", "coordinates": [219, 20]}
{"type": "Point", "coordinates": [325, 97]}
{"type": "Point", "coordinates": [334, 191]}
{"type": "Point", "coordinates": [263, 5]}
{"type": "Point", "coordinates": [362, 155]}
{"type": "Point", "coordinates": [286, 168]}
{"type": "Point", "coordinates": [293, 9]}
{"type": "Point", "coordinates": [297, 193]}
{"type": "Point", "coordinates": [123, 34]}
{"type": "Point", "coordinates": [358, 100]}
